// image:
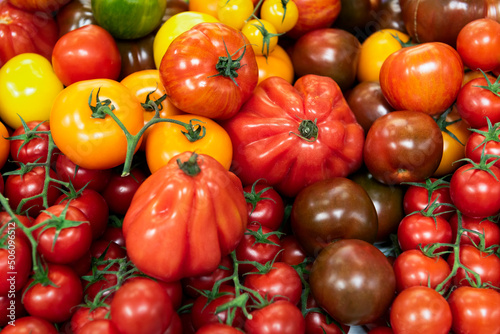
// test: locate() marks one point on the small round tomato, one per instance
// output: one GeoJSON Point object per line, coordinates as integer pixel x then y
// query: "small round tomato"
{"type": "Point", "coordinates": [486, 227]}
{"type": "Point", "coordinates": [265, 205]}
{"type": "Point", "coordinates": [173, 27]}
{"type": "Point", "coordinates": [101, 326]}
{"type": "Point", "coordinates": [193, 284]}
{"type": "Point", "coordinates": [487, 139]}
{"type": "Point", "coordinates": [120, 190]}
{"type": "Point", "coordinates": [89, 52]}
{"type": "Point", "coordinates": [262, 35]}
{"type": "Point", "coordinates": [277, 63]}
{"type": "Point", "coordinates": [215, 142]}
{"type": "Point", "coordinates": [88, 136]}
{"type": "Point", "coordinates": [4, 145]}
{"type": "Point", "coordinates": [281, 317]}
{"type": "Point", "coordinates": [83, 315]}
{"type": "Point", "coordinates": [15, 262]}
{"type": "Point", "coordinates": [28, 87]}
{"type": "Point", "coordinates": [31, 146]}
{"type": "Point", "coordinates": [375, 50]}
{"type": "Point", "coordinates": [283, 15]}
{"type": "Point", "coordinates": [478, 44]}
{"type": "Point", "coordinates": [485, 264]}
{"type": "Point", "coordinates": [217, 328]}
{"type": "Point", "coordinates": [31, 325]}
{"type": "Point", "coordinates": [204, 6]}
{"type": "Point", "coordinates": [418, 230]}
{"type": "Point", "coordinates": [416, 197]}
{"type": "Point", "coordinates": [80, 177]}
{"type": "Point", "coordinates": [234, 13]}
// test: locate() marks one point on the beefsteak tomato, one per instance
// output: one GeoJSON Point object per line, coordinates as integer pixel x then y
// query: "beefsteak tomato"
{"type": "Point", "coordinates": [293, 136]}
{"type": "Point", "coordinates": [192, 209]}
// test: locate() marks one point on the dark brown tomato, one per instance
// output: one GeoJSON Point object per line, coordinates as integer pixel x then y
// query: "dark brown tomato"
{"type": "Point", "coordinates": [356, 16]}
{"type": "Point", "coordinates": [331, 209]}
{"type": "Point", "coordinates": [73, 15]}
{"type": "Point", "coordinates": [360, 277]}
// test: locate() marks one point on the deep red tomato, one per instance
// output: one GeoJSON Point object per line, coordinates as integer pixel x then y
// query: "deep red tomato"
{"type": "Point", "coordinates": [88, 52]}
{"type": "Point", "coordinates": [420, 309]}
{"type": "Point", "coordinates": [101, 326]}
{"type": "Point", "coordinates": [29, 184]}
{"type": "Point", "coordinates": [293, 136]}
{"type": "Point", "coordinates": [103, 282]}
{"type": "Point", "coordinates": [265, 205]}
{"type": "Point", "coordinates": [414, 268]}
{"type": "Point", "coordinates": [59, 240]}
{"type": "Point", "coordinates": [112, 249]}
{"type": "Point", "coordinates": [259, 244]}
{"type": "Point", "coordinates": [425, 78]}
{"type": "Point", "coordinates": [478, 44]}
{"type": "Point", "coordinates": [67, 171]}
{"type": "Point", "coordinates": [31, 325]}
{"type": "Point", "coordinates": [476, 192]}
{"type": "Point", "coordinates": [11, 307]}
{"type": "Point", "coordinates": [22, 32]}
{"type": "Point", "coordinates": [488, 228]}
{"type": "Point", "coordinates": [81, 265]}
{"type": "Point", "coordinates": [485, 138]}
{"type": "Point", "coordinates": [83, 315]}
{"type": "Point", "coordinates": [33, 146]}
{"type": "Point", "coordinates": [141, 305]}
{"type": "Point", "coordinates": [281, 282]}
{"type": "Point", "coordinates": [403, 146]}
{"type": "Point", "coordinates": [475, 310]}
{"type": "Point", "coordinates": [94, 207]}
{"type": "Point", "coordinates": [176, 326]}
{"type": "Point", "coordinates": [381, 330]}
{"type": "Point", "coordinates": [115, 234]}
{"type": "Point", "coordinates": [5, 218]}
{"type": "Point", "coordinates": [209, 70]}
{"type": "Point", "coordinates": [317, 322]}
{"type": "Point", "coordinates": [281, 317]}
{"type": "Point", "coordinates": [486, 265]}
{"type": "Point", "coordinates": [206, 282]}
{"type": "Point", "coordinates": [314, 15]}
{"type": "Point", "coordinates": [57, 301]}
{"type": "Point", "coordinates": [416, 197]}
{"type": "Point", "coordinates": [217, 328]}
{"type": "Point", "coordinates": [419, 230]}
{"type": "Point", "coordinates": [15, 262]}
{"type": "Point", "coordinates": [477, 100]}
{"type": "Point", "coordinates": [120, 190]}
{"type": "Point", "coordinates": [174, 291]}
{"type": "Point", "coordinates": [292, 252]}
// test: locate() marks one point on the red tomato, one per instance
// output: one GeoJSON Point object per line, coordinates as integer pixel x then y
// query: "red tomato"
{"type": "Point", "coordinates": [478, 44]}
{"type": "Point", "coordinates": [174, 291]}
{"type": "Point", "coordinates": [89, 52]}
{"type": "Point", "coordinates": [27, 185]}
{"type": "Point", "coordinates": [425, 77]}
{"type": "Point", "coordinates": [485, 264]}
{"type": "Point", "coordinates": [83, 315]}
{"type": "Point", "coordinates": [416, 197]}
{"type": "Point", "coordinates": [110, 249]}
{"type": "Point", "coordinates": [47, 6]}
{"type": "Point", "coordinates": [487, 139]}
{"type": "Point", "coordinates": [100, 283]}
{"type": "Point", "coordinates": [11, 307]}
{"type": "Point", "coordinates": [476, 192]}
{"type": "Point", "coordinates": [68, 171]}
{"type": "Point", "coordinates": [31, 325]}
{"type": "Point", "coordinates": [281, 282]}
{"type": "Point", "coordinates": [265, 205]}
{"type": "Point", "coordinates": [102, 326]}
{"type": "Point", "coordinates": [141, 306]}
{"type": "Point", "coordinates": [281, 317]}
{"type": "Point", "coordinates": [315, 15]}
{"type": "Point", "coordinates": [15, 262]}
{"type": "Point", "coordinates": [420, 309]}
{"type": "Point", "coordinates": [31, 146]}
{"type": "Point", "coordinates": [292, 253]}
{"type": "Point", "coordinates": [414, 268]}
{"type": "Point", "coordinates": [486, 227]}
{"type": "Point", "coordinates": [217, 328]}
{"type": "Point", "coordinates": [206, 282]}
{"type": "Point", "coordinates": [293, 136]}
{"type": "Point", "coordinates": [209, 71]}
{"type": "Point", "coordinates": [120, 190]}
{"type": "Point", "coordinates": [57, 301]}
{"type": "Point", "coordinates": [23, 32]}
{"type": "Point", "coordinates": [418, 230]}
{"type": "Point", "coordinates": [60, 240]}
{"type": "Point", "coordinates": [317, 321]}
{"type": "Point", "coordinates": [192, 209]}
{"type": "Point", "coordinates": [475, 310]}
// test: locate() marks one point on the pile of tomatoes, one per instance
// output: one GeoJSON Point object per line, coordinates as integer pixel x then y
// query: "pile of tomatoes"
{"type": "Point", "coordinates": [249, 166]}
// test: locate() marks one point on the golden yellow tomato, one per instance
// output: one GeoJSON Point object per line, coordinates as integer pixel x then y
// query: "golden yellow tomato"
{"type": "Point", "coordinates": [175, 26]}
{"type": "Point", "coordinates": [282, 16]}
{"type": "Point", "coordinates": [234, 13]}
{"type": "Point", "coordinates": [278, 64]}
{"type": "Point", "coordinates": [166, 140]}
{"type": "Point", "coordinates": [204, 6]}
{"type": "Point", "coordinates": [262, 36]}
{"type": "Point", "coordinates": [374, 51]}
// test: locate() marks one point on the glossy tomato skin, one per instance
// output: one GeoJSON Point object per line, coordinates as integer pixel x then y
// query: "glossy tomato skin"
{"type": "Point", "coordinates": [206, 282]}
{"type": "Point", "coordinates": [328, 52]}
{"type": "Point", "coordinates": [359, 275]}
{"type": "Point", "coordinates": [425, 78]}
{"type": "Point", "coordinates": [106, 144]}
{"type": "Point", "coordinates": [217, 328]}
{"type": "Point", "coordinates": [485, 264]}
{"type": "Point", "coordinates": [416, 198]}
{"type": "Point", "coordinates": [88, 52]}
{"type": "Point", "coordinates": [280, 317]}
{"type": "Point", "coordinates": [421, 230]}
{"type": "Point", "coordinates": [314, 15]}
{"type": "Point", "coordinates": [17, 309]}
{"type": "Point", "coordinates": [120, 190]}
{"type": "Point", "coordinates": [195, 240]}
{"type": "Point", "coordinates": [265, 205]}
{"type": "Point", "coordinates": [103, 326]}
{"type": "Point", "coordinates": [4, 145]}
{"type": "Point", "coordinates": [266, 134]}
{"type": "Point", "coordinates": [23, 31]}
{"type": "Point", "coordinates": [476, 143]}
{"type": "Point", "coordinates": [68, 171]}
{"type": "Point", "coordinates": [73, 15]}
{"type": "Point", "coordinates": [194, 85]}
{"type": "Point", "coordinates": [487, 227]}
{"type": "Point", "coordinates": [32, 325]}
{"type": "Point", "coordinates": [34, 148]}
{"type": "Point", "coordinates": [332, 209]}
{"type": "Point", "coordinates": [403, 146]}
{"type": "Point", "coordinates": [54, 303]}
{"type": "Point", "coordinates": [475, 310]}
{"type": "Point", "coordinates": [141, 306]}
{"type": "Point", "coordinates": [14, 273]}
{"type": "Point", "coordinates": [475, 103]}
{"type": "Point", "coordinates": [83, 315]}
{"type": "Point", "coordinates": [420, 309]}
{"type": "Point", "coordinates": [317, 322]}
{"type": "Point", "coordinates": [277, 63]}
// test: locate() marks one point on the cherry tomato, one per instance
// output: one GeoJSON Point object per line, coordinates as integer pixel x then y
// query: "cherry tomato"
{"type": "Point", "coordinates": [416, 197]}
{"type": "Point", "coordinates": [277, 63]}
{"type": "Point", "coordinates": [83, 315]}
{"type": "Point", "coordinates": [283, 15]}
{"type": "Point", "coordinates": [31, 146]}
{"type": "Point", "coordinates": [485, 264]}
{"type": "Point", "coordinates": [489, 229]}
{"type": "Point", "coordinates": [262, 35]}
{"type": "Point", "coordinates": [265, 205]}
{"type": "Point", "coordinates": [234, 13]}
{"type": "Point", "coordinates": [15, 262]}
{"type": "Point", "coordinates": [120, 190]}
{"type": "Point", "coordinates": [206, 282]}
{"type": "Point", "coordinates": [101, 326]}
{"type": "Point", "coordinates": [4, 145]}
{"type": "Point", "coordinates": [487, 139]}
{"type": "Point", "coordinates": [280, 317]}
{"type": "Point", "coordinates": [419, 230]}
{"type": "Point", "coordinates": [80, 177]}
{"type": "Point", "coordinates": [31, 325]}
{"type": "Point", "coordinates": [204, 6]}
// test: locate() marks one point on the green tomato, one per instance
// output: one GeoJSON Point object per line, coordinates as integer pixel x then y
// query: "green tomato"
{"type": "Point", "coordinates": [28, 87]}
{"type": "Point", "coordinates": [129, 19]}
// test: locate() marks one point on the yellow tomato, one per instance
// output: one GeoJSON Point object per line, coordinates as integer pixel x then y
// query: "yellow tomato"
{"type": "Point", "coordinates": [204, 6]}
{"type": "Point", "coordinates": [166, 140]}
{"type": "Point", "coordinates": [278, 64]}
{"type": "Point", "coordinates": [4, 145]}
{"type": "Point", "coordinates": [146, 85]}
{"type": "Point", "coordinates": [234, 13]}
{"type": "Point", "coordinates": [28, 87]}
{"type": "Point", "coordinates": [452, 149]}
{"type": "Point", "coordinates": [374, 51]}
{"type": "Point", "coordinates": [173, 27]}
{"type": "Point", "coordinates": [282, 17]}
{"type": "Point", "coordinates": [262, 36]}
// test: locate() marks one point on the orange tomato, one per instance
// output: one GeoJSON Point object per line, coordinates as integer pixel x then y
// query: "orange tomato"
{"type": "Point", "coordinates": [166, 140]}
{"type": "Point", "coordinates": [4, 145]}
{"type": "Point", "coordinates": [204, 6]}
{"type": "Point", "coordinates": [144, 83]}
{"type": "Point", "coordinates": [278, 64]}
